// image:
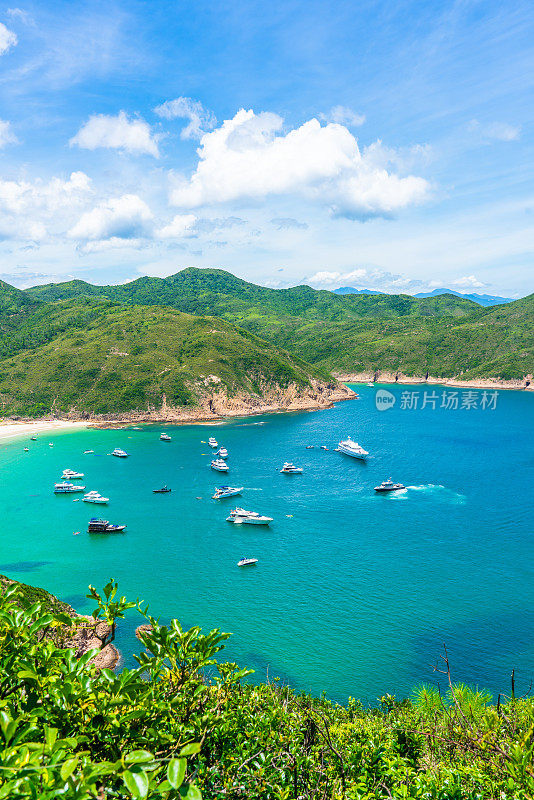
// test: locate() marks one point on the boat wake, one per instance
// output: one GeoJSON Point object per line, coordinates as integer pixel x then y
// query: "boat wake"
{"type": "Point", "coordinates": [439, 492]}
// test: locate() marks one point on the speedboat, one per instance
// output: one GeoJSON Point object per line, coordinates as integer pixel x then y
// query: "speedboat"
{"type": "Point", "coordinates": [219, 465]}
{"type": "Point", "coordinates": [226, 491]}
{"type": "Point", "coordinates": [324, 447]}
{"type": "Point", "coordinates": [247, 562]}
{"type": "Point", "coordinates": [71, 473]}
{"type": "Point", "coordinates": [389, 486]}
{"type": "Point", "coordinates": [222, 452]}
{"type": "Point", "coordinates": [212, 442]}
{"type": "Point", "coordinates": [120, 453]}
{"type": "Point", "coordinates": [33, 438]}
{"type": "Point", "coordinates": [165, 437]}
{"type": "Point", "coordinates": [67, 488]}
{"type": "Point", "coordinates": [26, 449]}
{"type": "Point", "coordinates": [103, 526]}
{"type": "Point", "coordinates": [309, 447]}
{"type": "Point", "coordinates": [241, 517]}
{"type": "Point", "coordinates": [353, 449]}
{"type": "Point", "coordinates": [95, 497]}
{"type": "Point", "coordinates": [371, 385]}
{"type": "Point", "coordinates": [88, 451]}
{"type": "Point", "coordinates": [164, 490]}
{"type": "Point", "coordinates": [291, 469]}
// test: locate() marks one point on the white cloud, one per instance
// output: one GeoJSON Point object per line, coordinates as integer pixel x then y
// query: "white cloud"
{"type": "Point", "coordinates": [127, 217]}
{"type": "Point", "coordinates": [501, 131]}
{"type": "Point", "coordinates": [249, 157]}
{"type": "Point", "coordinates": [8, 39]}
{"type": "Point", "coordinates": [469, 282]}
{"type": "Point", "coordinates": [344, 116]}
{"type": "Point", "coordinates": [6, 134]}
{"type": "Point", "coordinates": [286, 223]}
{"type": "Point", "coordinates": [200, 118]}
{"type": "Point", "coordinates": [372, 278]}
{"type": "Point", "coordinates": [120, 133]}
{"type": "Point", "coordinates": [178, 227]}
{"type": "Point", "coordinates": [26, 197]}
{"type": "Point", "coordinates": [23, 16]}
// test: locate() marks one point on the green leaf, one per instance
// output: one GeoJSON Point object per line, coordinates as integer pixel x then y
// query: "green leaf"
{"type": "Point", "coordinates": [190, 749]}
{"type": "Point", "coordinates": [193, 793]}
{"type": "Point", "coordinates": [136, 783]}
{"type": "Point", "coordinates": [68, 768]}
{"type": "Point", "coordinates": [138, 757]}
{"type": "Point", "coordinates": [176, 772]}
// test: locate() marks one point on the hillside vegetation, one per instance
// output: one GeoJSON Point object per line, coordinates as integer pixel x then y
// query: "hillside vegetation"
{"type": "Point", "coordinates": [101, 357]}
{"type": "Point", "coordinates": [182, 724]}
{"type": "Point", "coordinates": [446, 336]}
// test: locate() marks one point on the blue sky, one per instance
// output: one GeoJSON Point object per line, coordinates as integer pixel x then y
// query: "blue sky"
{"type": "Point", "coordinates": [375, 144]}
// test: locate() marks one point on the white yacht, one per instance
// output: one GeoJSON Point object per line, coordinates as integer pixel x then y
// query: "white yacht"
{"type": "Point", "coordinates": [247, 562]}
{"type": "Point", "coordinates": [120, 453]}
{"type": "Point", "coordinates": [33, 438]}
{"type": "Point", "coordinates": [66, 487]}
{"type": "Point", "coordinates": [389, 486]}
{"type": "Point", "coordinates": [353, 449]}
{"type": "Point", "coordinates": [212, 442]}
{"type": "Point", "coordinates": [241, 517]}
{"type": "Point", "coordinates": [165, 437]}
{"type": "Point", "coordinates": [95, 497]}
{"type": "Point", "coordinates": [71, 473]}
{"type": "Point", "coordinates": [291, 469]}
{"type": "Point", "coordinates": [226, 491]}
{"type": "Point", "coordinates": [222, 452]}
{"type": "Point", "coordinates": [219, 465]}
{"type": "Point", "coordinates": [371, 385]}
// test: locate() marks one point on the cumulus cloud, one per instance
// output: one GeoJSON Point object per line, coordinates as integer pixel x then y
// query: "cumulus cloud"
{"type": "Point", "coordinates": [249, 158]}
{"type": "Point", "coordinates": [178, 227]}
{"type": "Point", "coordinates": [501, 131]}
{"type": "Point", "coordinates": [365, 278]}
{"type": "Point", "coordinates": [27, 197]}
{"type": "Point", "coordinates": [130, 135]}
{"type": "Point", "coordinates": [119, 218]}
{"type": "Point", "coordinates": [469, 282]}
{"type": "Point", "coordinates": [6, 134]}
{"type": "Point", "coordinates": [8, 39]}
{"type": "Point", "coordinates": [286, 223]}
{"type": "Point", "coordinates": [344, 116]}
{"type": "Point", "coordinates": [200, 118]}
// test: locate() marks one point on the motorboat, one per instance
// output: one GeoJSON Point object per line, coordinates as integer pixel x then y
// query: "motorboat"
{"type": "Point", "coordinates": [371, 385]}
{"type": "Point", "coordinates": [389, 486]}
{"type": "Point", "coordinates": [291, 469]}
{"type": "Point", "coordinates": [103, 526]}
{"type": "Point", "coordinates": [222, 452]}
{"type": "Point", "coordinates": [353, 449]}
{"type": "Point", "coordinates": [239, 516]}
{"type": "Point", "coordinates": [95, 497]}
{"type": "Point", "coordinates": [212, 442]}
{"type": "Point", "coordinates": [26, 449]}
{"type": "Point", "coordinates": [120, 453]}
{"type": "Point", "coordinates": [219, 465]}
{"type": "Point", "coordinates": [164, 490]}
{"type": "Point", "coordinates": [65, 487]}
{"type": "Point", "coordinates": [88, 451]}
{"type": "Point", "coordinates": [71, 473]}
{"type": "Point", "coordinates": [165, 437]}
{"type": "Point", "coordinates": [33, 438]}
{"type": "Point", "coordinates": [309, 446]}
{"type": "Point", "coordinates": [324, 447]}
{"type": "Point", "coordinates": [226, 491]}
{"type": "Point", "coordinates": [247, 562]}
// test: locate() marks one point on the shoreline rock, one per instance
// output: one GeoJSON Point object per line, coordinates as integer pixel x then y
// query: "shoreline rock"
{"type": "Point", "coordinates": [378, 376]}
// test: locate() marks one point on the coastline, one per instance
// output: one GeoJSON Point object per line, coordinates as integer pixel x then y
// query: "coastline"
{"type": "Point", "coordinates": [11, 429]}
{"type": "Point", "coordinates": [519, 384]}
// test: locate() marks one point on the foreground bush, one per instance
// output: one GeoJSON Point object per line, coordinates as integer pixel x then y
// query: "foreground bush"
{"type": "Point", "coordinates": [183, 725]}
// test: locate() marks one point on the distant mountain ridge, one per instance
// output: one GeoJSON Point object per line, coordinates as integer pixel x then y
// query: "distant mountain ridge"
{"type": "Point", "coordinates": [485, 300]}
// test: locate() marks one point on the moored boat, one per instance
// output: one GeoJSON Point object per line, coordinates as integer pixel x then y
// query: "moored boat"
{"type": "Point", "coordinates": [389, 486]}
{"type": "Point", "coordinates": [219, 465]}
{"type": "Point", "coordinates": [239, 516]}
{"type": "Point", "coordinates": [350, 448]}
{"type": "Point", "coordinates": [71, 473]}
{"type": "Point", "coordinates": [65, 487]}
{"type": "Point", "coordinates": [103, 526]}
{"type": "Point", "coordinates": [165, 437]}
{"type": "Point", "coordinates": [212, 442]}
{"type": "Point", "coordinates": [247, 562]}
{"type": "Point", "coordinates": [95, 497]}
{"type": "Point", "coordinates": [222, 452]}
{"type": "Point", "coordinates": [226, 491]}
{"type": "Point", "coordinates": [120, 453]}
{"type": "Point", "coordinates": [291, 469]}
{"type": "Point", "coordinates": [164, 490]}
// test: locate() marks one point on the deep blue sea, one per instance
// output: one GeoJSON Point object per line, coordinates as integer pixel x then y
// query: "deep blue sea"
{"type": "Point", "coordinates": [354, 593]}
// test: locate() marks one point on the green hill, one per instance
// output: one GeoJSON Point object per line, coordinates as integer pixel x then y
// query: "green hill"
{"type": "Point", "coordinates": [447, 336]}
{"type": "Point", "coordinates": [102, 357]}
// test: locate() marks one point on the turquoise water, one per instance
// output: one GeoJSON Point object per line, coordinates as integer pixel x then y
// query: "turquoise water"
{"type": "Point", "coordinates": [354, 593]}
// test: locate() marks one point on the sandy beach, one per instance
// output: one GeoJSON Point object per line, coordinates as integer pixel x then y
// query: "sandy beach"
{"type": "Point", "coordinates": [9, 429]}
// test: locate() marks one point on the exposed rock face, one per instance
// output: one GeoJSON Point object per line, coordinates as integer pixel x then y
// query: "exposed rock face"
{"type": "Point", "coordinates": [378, 376]}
